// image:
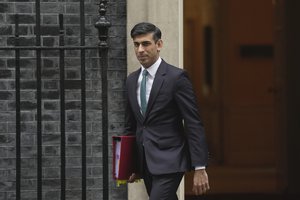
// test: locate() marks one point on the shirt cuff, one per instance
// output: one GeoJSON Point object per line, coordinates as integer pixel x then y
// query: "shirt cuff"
{"type": "Point", "coordinates": [199, 167]}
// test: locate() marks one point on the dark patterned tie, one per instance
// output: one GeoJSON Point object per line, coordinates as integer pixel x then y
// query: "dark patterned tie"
{"type": "Point", "coordinates": [143, 92]}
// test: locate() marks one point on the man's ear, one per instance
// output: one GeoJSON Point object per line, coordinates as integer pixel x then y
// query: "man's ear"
{"type": "Point", "coordinates": [159, 44]}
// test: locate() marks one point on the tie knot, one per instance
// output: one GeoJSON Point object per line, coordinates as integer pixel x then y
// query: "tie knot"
{"type": "Point", "coordinates": [145, 72]}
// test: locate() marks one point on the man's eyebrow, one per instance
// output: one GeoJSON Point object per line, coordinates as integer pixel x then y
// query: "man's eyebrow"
{"type": "Point", "coordinates": [142, 41]}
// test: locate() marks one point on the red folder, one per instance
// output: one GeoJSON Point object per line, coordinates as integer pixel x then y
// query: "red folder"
{"type": "Point", "coordinates": [124, 157]}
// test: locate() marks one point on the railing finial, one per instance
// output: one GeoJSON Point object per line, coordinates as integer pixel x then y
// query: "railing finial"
{"type": "Point", "coordinates": [102, 24]}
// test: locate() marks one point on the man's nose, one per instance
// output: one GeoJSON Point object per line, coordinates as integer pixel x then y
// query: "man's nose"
{"type": "Point", "coordinates": [140, 48]}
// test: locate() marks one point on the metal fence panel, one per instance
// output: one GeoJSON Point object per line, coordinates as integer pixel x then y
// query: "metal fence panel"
{"type": "Point", "coordinates": [102, 25]}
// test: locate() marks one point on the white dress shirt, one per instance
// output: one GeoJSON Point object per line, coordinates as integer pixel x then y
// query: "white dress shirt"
{"type": "Point", "coordinates": [149, 81]}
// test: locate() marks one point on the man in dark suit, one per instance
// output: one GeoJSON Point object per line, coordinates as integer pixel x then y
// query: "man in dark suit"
{"type": "Point", "coordinates": [162, 113]}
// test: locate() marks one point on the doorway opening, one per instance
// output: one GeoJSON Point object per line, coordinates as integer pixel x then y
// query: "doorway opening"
{"type": "Point", "coordinates": [228, 52]}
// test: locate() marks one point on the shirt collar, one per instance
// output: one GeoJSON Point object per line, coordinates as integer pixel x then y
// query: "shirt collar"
{"type": "Point", "coordinates": [153, 68]}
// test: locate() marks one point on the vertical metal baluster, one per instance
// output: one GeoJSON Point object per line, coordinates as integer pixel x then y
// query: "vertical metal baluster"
{"type": "Point", "coordinates": [83, 99]}
{"type": "Point", "coordinates": [18, 112]}
{"type": "Point", "coordinates": [62, 110]}
{"type": "Point", "coordinates": [102, 25]}
{"type": "Point", "coordinates": [39, 101]}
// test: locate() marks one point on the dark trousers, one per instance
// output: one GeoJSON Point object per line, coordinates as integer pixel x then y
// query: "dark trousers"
{"type": "Point", "coordinates": [161, 187]}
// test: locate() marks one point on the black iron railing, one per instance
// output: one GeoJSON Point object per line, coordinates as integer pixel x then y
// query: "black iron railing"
{"type": "Point", "coordinates": [102, 25]}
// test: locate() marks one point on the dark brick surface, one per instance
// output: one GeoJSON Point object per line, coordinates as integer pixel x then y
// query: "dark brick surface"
{"type": "Point", "coordinates": [5, 30]}
{"type": "Point", "coordinates": [51, 136]}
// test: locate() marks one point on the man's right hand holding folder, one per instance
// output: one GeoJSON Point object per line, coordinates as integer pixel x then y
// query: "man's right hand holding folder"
{"type": "Point", "coordinates": [132, 178]}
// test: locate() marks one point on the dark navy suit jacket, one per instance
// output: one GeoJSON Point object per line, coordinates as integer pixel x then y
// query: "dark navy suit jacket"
{"type": "Point", "coordinates": [171, 135]}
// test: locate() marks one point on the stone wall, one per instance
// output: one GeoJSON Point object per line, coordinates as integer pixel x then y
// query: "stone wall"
{"type": "Point", "coordinates": [51, 98]}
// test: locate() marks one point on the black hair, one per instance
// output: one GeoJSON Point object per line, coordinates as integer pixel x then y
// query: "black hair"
{"type": "Point", "coordinates": [144, 28]}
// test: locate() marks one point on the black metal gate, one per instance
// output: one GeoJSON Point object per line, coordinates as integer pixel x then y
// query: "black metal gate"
{"type": "Point", "coordinates": [102, 25]}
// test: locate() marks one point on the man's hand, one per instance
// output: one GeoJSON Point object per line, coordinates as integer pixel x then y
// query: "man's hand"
{"type": "Point", "coordinates": [201, 184]}
{"type": "Point", "coordinates": [132, 178]}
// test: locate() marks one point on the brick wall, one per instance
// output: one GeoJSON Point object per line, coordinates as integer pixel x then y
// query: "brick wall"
{"type": "Point", "coordinates": [51, 98]}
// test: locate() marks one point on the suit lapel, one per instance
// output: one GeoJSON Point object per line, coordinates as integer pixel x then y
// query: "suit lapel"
{"type": "Point", "coordinates": [133, 95]}
{"type": "Point", "coordinates": [157, 84]}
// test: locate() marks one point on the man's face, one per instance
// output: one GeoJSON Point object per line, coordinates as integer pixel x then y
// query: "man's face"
{"type": "Point", "coordinates": [146, 49]}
